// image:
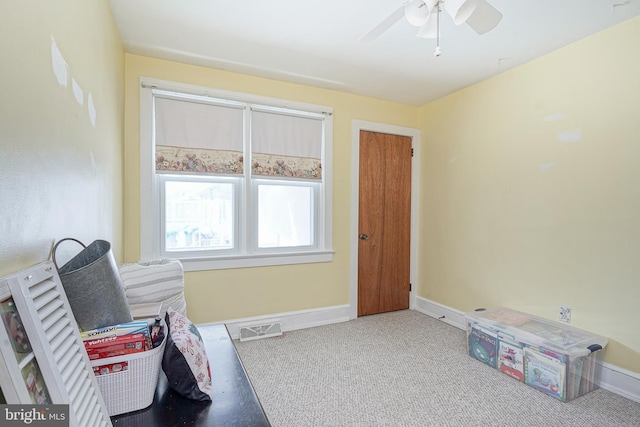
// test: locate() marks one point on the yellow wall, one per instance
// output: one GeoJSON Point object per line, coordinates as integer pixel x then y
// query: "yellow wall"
{"type": "Point", "coordinates": [510, 215]}
{"type": "Point", "coordinates": [60, 175]}
{"type": "Point", "coordinates": [531, 191]}
{"type": "Point", "coordinates": [237, 293]}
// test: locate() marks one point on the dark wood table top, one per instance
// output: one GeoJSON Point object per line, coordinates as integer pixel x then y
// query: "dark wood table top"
{"type": "Point", "coordinates": [234, 402]}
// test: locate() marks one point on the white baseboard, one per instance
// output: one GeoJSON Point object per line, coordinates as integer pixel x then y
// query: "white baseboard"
{"type": "Point", "coordinates": [441, 312]}
{"type": "Point", "coordinates": [612, 378]}
{"type": "Point", "coordinates": [293, 320]}
{"type": "Point", "coordinates": [620, 381]}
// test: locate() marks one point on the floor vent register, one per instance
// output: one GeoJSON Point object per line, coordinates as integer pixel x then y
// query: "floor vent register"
{"type": "Point", "coordinates": [254, 332]}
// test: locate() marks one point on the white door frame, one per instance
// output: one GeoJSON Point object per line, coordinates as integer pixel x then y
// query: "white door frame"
{"type": "Point", "coordinates": [356, 127]}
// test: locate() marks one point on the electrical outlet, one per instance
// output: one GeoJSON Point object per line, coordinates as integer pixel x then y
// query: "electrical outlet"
{"type": "Point", "coordinates": [565, 314]}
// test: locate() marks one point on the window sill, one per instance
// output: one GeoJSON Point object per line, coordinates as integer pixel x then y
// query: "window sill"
{"type": "Point", "coordinates": [220, 263]}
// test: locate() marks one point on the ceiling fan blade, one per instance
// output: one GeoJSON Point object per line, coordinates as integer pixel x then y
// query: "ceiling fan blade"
{"type": "Point", "coordinates": [484, 18]}
{"type": "Point", "coordinates": [383, 26]}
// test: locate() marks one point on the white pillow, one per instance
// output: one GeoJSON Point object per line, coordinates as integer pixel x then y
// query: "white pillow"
{"type": "Point", "coordinates": [155, 281]}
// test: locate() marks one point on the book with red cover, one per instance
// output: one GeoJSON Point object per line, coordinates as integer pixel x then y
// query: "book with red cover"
{"type": "Point", "coordinates": [115, 346]}
{"type": "Point", "coordinates": [510, 358]}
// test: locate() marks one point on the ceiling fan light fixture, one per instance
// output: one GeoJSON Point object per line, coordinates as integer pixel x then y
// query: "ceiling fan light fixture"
{"type": "Point", "coordinates": [417, 12]}
{"type": "Point", "coordinates": [484, 18]}
{"type": "Point", "coordinates": [460, 10]}
{"type": "Point", "coordinates": [429, 30]}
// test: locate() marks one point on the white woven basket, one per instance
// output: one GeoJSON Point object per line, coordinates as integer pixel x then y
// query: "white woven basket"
{"type": "Point", "coordinates": [132, 389]}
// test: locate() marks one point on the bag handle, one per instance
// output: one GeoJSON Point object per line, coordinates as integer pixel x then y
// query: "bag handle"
{"type": "Point", "coordinates": [55, 247]}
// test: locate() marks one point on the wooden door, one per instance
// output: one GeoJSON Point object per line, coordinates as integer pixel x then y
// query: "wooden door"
{"type": "Point", "coordinates": [384, 223]}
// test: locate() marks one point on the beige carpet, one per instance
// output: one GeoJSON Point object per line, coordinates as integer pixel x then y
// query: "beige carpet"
{"type": "Point", "coordinates": [404, 369]}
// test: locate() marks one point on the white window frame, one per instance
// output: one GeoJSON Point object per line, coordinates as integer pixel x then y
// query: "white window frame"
{"type": "Point", "coordinates": [316, 212]}
{"type": "Point", "coordinates": [237, 195]}
{"type": "Point", "coordinates": [247, 255]}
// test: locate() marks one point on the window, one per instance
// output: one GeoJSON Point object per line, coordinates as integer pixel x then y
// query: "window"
{"type": "Point", "coordinates": [233, 180]}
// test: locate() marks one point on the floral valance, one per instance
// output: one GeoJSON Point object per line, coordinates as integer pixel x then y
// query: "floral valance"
{"type": "Point", "coordinates": [198, 160]}
{"type": "Point", "coordinates": [286, 166]}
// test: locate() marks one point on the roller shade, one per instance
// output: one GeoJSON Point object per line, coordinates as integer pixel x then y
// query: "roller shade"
{"type": "Point", "coordinates": [199, 138]}
{"type": "Point", "coordinates": [286, 146]}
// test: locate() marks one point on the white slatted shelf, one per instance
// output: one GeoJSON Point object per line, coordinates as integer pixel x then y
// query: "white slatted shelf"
{"type": "Point", "coordinates": [56, 342]}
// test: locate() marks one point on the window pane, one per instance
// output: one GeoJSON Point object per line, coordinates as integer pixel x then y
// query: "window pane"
{"type": "Point", "coordinates": [285, 216]}
{"type": "Point", "coordinates": [198, 215]}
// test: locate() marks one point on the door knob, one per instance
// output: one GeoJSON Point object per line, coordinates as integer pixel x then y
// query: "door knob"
{"type": "Point", "coordinates": [364, 237]}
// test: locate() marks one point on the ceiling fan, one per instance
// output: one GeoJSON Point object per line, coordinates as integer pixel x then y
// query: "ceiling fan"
{"type": "Point", "coordinates": [425, 14]}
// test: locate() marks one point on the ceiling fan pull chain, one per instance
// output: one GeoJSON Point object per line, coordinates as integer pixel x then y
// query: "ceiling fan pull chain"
{"type": "Point", "coordinates": [438, 52]}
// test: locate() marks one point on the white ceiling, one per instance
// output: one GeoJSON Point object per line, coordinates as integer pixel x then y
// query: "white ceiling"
{"type": "Point", "coordinates": [315, 43]}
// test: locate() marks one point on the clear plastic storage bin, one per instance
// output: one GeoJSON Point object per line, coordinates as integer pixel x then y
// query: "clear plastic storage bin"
{"type": "Point", "coordinates": [556, 359]}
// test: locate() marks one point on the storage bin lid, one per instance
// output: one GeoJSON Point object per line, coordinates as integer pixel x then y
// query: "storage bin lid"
{"type": "Point", "coordinates": [533, 330]}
